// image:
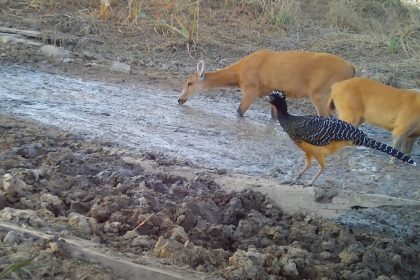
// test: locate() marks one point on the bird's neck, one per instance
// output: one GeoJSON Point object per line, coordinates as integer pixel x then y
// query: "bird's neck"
{"type": "Point", "coordinates": [284, 118]}
{"type": "Point", "coordinates": [283, 115]}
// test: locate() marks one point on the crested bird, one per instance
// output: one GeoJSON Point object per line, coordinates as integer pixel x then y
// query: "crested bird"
{"type": "Point", "coordinates": [320, 136]}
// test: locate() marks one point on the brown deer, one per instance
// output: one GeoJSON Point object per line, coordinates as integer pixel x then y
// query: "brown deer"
{"type": "Point", "coordinates": [360, 100]}
{"type": "Point", "coordinates": [297, 73]}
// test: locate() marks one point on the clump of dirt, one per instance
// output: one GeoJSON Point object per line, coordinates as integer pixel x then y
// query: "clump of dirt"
{"type": "Point", "coordinates": [60, 183]}
{"type": "Point", "coordinates": [25, 257]}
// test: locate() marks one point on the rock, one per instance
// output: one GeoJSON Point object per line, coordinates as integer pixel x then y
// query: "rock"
{"type": "Point", "coordinates": [62, 155]}
{"type": "Point", "coordinates": [18, 216]}
{"type": "Point", "coordinates": [220, 236]}
{"type": "Point", "coordinates": [382, 277]}
{"type": "Point", "coordinates": [56, 184]}
{"type": "Point", "coordinates": [113, 227]}
{"type": "Point", "coordinates": [200, 256]}
{"type": "Point", "coordinates": [54, 52]}
{"type": "Point", "coordinates": [274, 266]}
{"type": "Point", "coordinates": [31, 151]}
{"type": "Point", "coordinates": [13, 188]}
{"type": "Point", "coordinates": [2, 200]}
{"type": "Point", "coordinates": [396, 260]}
{"type": "Point", "coordinates": [52, 203]}
{"type": "Point", "coordinates": [10, 238]}
{"type": "Point", "coordinates": [171, 250]}
{"type": "Point", "coordinates": [147, 200]}
{"type": "Point", "coordinates": [90, 56]}
{"type": "Point", "coordinates": [296, 253]}
{"type": "Point", "coordinates": [131, 234]}
{"type": "Point", "coordinates": [290, 270]}
{"type": "Point", "coordinates": [234, 213]}
{"type": "Point", "coordinates": [150, 225]}
{"type": "Point", "coordinates": [143, 241]}
{"type": "Point", "coordinates": [187, 215]}
{"type": "Point", "coordinates": [80, 223]}
{"type": "Point", "coordinates": [93, 65]}
{"type": "Point", "coordinates": [178, 192]}
{"type": "Point", "coordinates": [210, 211]}
{"type": "Point", "coordinates": [178, 233]}
{"type": "Point", "coordinates": [348, 257]}
{"type": "Point", "coordinates": [54, 247]}
{"type": "Point", "coordinates": [67, 60]}
{"type": "Point", "coordinates": [327, 256]}
{"type": "Point", "coordinates": [352, 254]}
{"type": "Point", "coordinates": [362, 275]}
{"type": "Point", "coordinates": [120, 67]}
{"type": "Point", "coordinates": [156, 185]}
{"type": "Point", "coordinates": [28, 203]}
{"type": "Point", "coordinates": [328, 245]}
{"type": "Point", "coordinates": [99, 212]}
{"type": "Point", "coordinates": [246, 265]}
{"type": "Point", "coordinates": [79, 207]}
{"type": "Point", "coordinates": [103, 208]}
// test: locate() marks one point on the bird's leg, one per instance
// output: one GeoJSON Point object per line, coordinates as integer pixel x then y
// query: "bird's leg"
{"type": "Point", "coordinates": [307, 166]}
{"type": "Point", "coordinates": [321, 161]}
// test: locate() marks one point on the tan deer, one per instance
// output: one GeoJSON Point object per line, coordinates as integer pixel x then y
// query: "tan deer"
{"type": "Point", "coordinates": [296, 73]}
{"type": "Point", "coordinates": [360, 100]}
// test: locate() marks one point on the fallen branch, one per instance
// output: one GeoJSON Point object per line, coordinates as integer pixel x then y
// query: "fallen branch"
{"type": "Point", "coordinates": [28, 33]}
{"type": "Point", "coordinates": [17, 38]}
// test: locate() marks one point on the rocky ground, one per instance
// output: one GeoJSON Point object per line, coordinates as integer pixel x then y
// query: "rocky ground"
{"type": "Point", "coordinates": [59, 183]}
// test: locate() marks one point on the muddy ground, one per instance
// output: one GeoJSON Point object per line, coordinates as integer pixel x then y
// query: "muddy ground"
{"type": "Point", "coordinates": [194, 190]}
{"type": "Point", "coordinates": [58, 183]}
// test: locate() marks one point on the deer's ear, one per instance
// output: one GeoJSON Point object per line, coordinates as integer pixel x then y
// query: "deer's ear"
{"type": "Point", "coordinates": [200, 69]}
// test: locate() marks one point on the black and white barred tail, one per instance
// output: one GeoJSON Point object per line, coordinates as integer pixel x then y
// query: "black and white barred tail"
{"type": "Point", "coordinates": [367, 142]}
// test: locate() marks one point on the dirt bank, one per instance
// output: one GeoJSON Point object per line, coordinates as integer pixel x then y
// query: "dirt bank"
{"type": "Point", "coordinates": [59, 183]}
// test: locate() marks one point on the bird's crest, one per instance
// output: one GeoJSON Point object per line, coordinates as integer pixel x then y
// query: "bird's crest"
{"type": "Point", "coordinates": [276, 95]}
{"type": "Point", "coordinates": [278, 100]}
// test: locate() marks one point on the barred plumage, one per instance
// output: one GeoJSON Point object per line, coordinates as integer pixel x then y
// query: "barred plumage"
{"type": "Point", "coordinates": [321, 131]}
{"type": "Point", "coordinates": [324, 132]}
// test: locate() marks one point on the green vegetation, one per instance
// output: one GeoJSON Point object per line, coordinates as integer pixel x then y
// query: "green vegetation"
{"type": "Point", "coordinates": [18, 270]}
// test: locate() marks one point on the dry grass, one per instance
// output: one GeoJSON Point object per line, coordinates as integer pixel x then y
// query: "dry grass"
{"type": "Point", "coordinates": [355, 29]}
{"type": "Point", "coordinates": [188, 19]}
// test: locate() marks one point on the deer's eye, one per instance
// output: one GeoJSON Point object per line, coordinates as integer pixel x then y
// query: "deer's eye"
{"type": "Point", "coordinates": [189, 84]}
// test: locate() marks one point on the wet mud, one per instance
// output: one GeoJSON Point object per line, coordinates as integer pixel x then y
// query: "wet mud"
{"type": "Point", "coordinates": [205, 131]}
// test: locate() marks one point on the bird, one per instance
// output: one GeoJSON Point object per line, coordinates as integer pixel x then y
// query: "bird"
{"type": "Point", "coordinates": [320, 136]}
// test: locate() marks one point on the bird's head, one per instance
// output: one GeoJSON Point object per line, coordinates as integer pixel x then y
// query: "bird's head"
{"type": "Point", "coordinates": [278, 100]}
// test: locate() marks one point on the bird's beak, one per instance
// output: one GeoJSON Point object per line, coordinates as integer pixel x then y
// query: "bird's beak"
{"type": "Point", "coordinates": [268, 98]}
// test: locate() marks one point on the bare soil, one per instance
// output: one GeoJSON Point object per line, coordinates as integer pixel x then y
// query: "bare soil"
{"type": "Point", "coordinates": [111, 158]}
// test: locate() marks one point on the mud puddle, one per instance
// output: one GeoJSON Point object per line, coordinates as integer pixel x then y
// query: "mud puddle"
{"type": "Point", "coordinates": [205, 132]}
